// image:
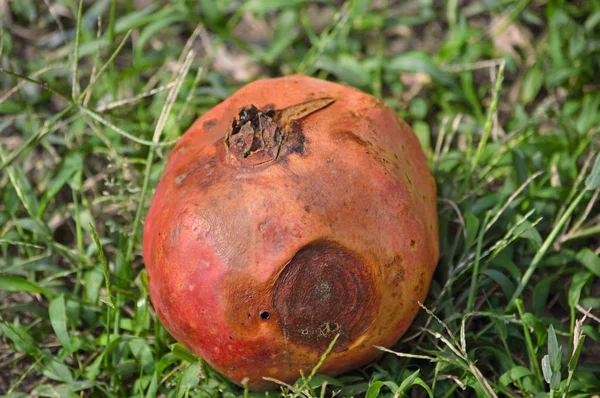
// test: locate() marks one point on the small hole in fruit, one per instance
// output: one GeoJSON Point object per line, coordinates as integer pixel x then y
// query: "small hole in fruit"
{"type": "Point", "coordinates": [264, 315]}
{"type": "Point", "coordinates": [412, 243]}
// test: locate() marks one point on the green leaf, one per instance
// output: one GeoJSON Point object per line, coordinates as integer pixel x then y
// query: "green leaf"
{"type": "Point", "coordinates": [593, 180]}
{"type": "Point", "coordinates": [72, 163]}
{"type": "Point", "coordinates": [347, 69]}
{"type": "Point", "coordinates": [577, 283]}
{"type": "Point", "coordinates": [32, 225]}
{"type": "Point", "coordinates": [576, 353]}
{"type": "Point", "coordinates": [93, 370]}
{"type": "Point", "coordinates": [419, 62]}
{"type": "Point", "coordinates": [507, 286]}
{"type": "Point", "coordinates": [58, 371]}
{"type": "Point", "coordinates": [211, 10]}
{"type": "Point", "coordinates": [93, 279]}
{"type": "Point", "coordinates": [153, 29]}
{"type": "Point", "coordinates": [590, 302]}
{"type": "Point", "coordinates": [422, 132]}
{"type": "Point", "coordinates": [79, 385]}
{"type": "Point", "coordinates": [468, 89]}
{"type": "Point", "coordinates": [546, 369]}
{"type": "Point", "coordinates": [20, 337]}
{"type": "Point", "coordinates": [190, 378]}
{"type": "Point", "coordinates": [532, 83]}
{"type": "Point", "coordinates": [514, 374]}
{"type": "Point", "coordinates": [420, 382]}
{"type": "Point", "coordinates": [418, 109]}
{"type": "Point", "coordinates": [152, 390]}
{"type": "Point", "coordinates": [139, 18]}
{"type": "Point", "coordinates": [58, 319]}
{"type": "Point", "coordinates": [108, 299]}
{"type": "Point", "coordinates": [588, 117]}
{"type": "Point", "coordinates": [472, 227]}
{"type": "Point", "coordinates": [590, 260]}
{"type": "Point", "coordinates": [165, 361]}
{"type": "Point", "coordinates": [10, 107]}
{"type": "Point", "coordinates": [555, 381]}
{"type": "Point", "coordinates": [354, 390]}
{"type": "Point", "coordinates": [413, 380]}
{"type": "Point", "coordinates": [554, 350]}
{"type": "Point", "coordinates": [283, 36]}
{"type": "Point", "coordinates": [22, 187]}
{"type": "Point", "coordinates": [263, 6]}
{"type": "Point", "coordinates": [407, 382]}
{"type": "Point", "coordinates": [318, 380]}
{"type": "Point", "coordinates": [17, 395]}
{"type": "Point", "coordinates": [530, 233]}
{"type": "Point", "coordinates": [126, 367]}
{"type": "Point", "coordinates": [592, 21]}
{"type": "Point", "coordinates": [25, 9]}
{"type": "Point", "coordinates": [540, 294]}
{"type": "Point", "coordinates": [532, 322]}
{"type": "Point", "coordinates": [183, 353]}
{"type": "Point", "coordinates": [46, 390]}
{"type": "Point", "coordinates": [376, 387]}
{"type": "Point", "coordinates": [17, 284]}
{"type": "Point", "coordinates": [142, 353]}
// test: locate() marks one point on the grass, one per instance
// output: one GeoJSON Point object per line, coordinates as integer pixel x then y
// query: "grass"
{"type": "Point", "coordinates": [503, 95]}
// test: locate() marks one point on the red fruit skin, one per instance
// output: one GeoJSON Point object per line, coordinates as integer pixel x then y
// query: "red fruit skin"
{"type": "Point", "coordinates": [338, 235]}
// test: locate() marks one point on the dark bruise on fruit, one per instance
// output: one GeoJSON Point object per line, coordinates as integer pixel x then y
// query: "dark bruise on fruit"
{"type": "Point", "coordinates": [325, 290]}
{"type": "Point", "coordinates": [256, 136]}
{"type": "Point", "coordinates": [209, 124]}
{"type": "Point", "coordinates": [350, 136]}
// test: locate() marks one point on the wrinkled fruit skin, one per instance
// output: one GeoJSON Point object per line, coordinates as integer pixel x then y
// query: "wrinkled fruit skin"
{"type": "Point", "coordinates": [256, 263]}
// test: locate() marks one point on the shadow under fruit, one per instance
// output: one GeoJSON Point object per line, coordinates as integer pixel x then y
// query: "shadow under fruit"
{"type": "Point", "coordinates": [294, 211]}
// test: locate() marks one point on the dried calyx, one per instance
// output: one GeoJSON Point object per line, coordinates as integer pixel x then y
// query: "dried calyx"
{"type": "Point", "coordinates": [256, 136]}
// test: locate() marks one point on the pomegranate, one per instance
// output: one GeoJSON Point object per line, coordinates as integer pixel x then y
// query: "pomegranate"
{"type": "Point", "coordinates": [295, 211]}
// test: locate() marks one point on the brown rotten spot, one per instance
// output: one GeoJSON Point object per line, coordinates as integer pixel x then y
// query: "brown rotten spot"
{"type": "Point", "coordinates": [294, 211]}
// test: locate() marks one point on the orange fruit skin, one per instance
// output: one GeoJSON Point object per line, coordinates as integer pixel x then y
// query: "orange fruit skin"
{"type": "Point", "coordinates": [257, 269]}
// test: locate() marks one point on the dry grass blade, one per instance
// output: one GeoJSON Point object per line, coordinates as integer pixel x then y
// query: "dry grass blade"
{"type": "Point", "coordinates": [162, 119]}
{"type": "Point", "coordinates": [96, 116]}
{"type": "Point", "coordinates": [512, 198]}
{"type": "Point", "coordinates": [126, 101]}
{"type": "Point", "coordinates": [406, 355]}
{"type": "Point", "coordinates": [22, 82]}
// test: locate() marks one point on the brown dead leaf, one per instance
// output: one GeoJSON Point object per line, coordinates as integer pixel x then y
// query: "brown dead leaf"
{"type": "Point", "coordinates": [320, 16]}
{"type": "Point", "coordinates": [235, 64]}
{"type": "Point", "coordinates": [511, 37]}
{"type": "Point", "coordinates": [253, 30]}
{"type": "Point", "coordinates": [414, 83]}
{"type": "Point", "coordinates": [5, 16]}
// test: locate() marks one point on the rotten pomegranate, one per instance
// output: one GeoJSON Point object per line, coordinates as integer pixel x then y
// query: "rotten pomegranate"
{"type": "Point", "coordinates": [294, 211]}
